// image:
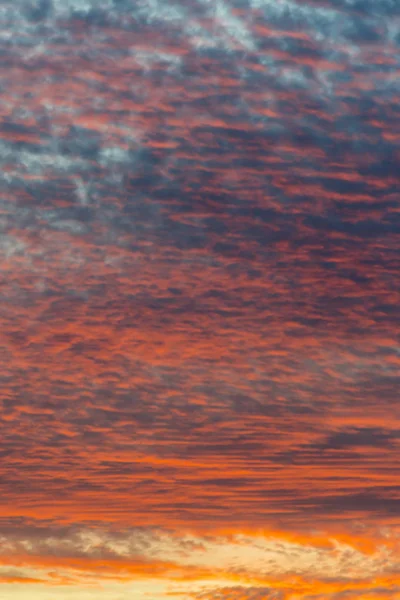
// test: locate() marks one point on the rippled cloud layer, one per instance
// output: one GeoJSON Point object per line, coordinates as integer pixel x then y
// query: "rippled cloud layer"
{"type": "Point", "coordinates": [199, 310]}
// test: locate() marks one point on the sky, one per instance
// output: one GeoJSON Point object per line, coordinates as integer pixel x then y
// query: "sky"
{"type": "Point", "coordinates": [199, 300]}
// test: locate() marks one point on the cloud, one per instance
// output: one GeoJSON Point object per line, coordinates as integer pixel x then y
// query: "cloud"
{"type": "Point", "coordinates": [251, 556]}
{"type": "Point", "coordinates": [199, 295]}
{"type": "Point", "coordinates": [221, 566]}
{"type": "Point", "coordinates": [240, 593]}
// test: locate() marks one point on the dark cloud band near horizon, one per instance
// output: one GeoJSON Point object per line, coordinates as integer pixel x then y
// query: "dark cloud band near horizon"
{"type": "Point", "coordinates": [199, 310]}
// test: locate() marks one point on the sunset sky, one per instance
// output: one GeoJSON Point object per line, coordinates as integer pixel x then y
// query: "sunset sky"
{"type": "Point", "coordinates": [200, 300]}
